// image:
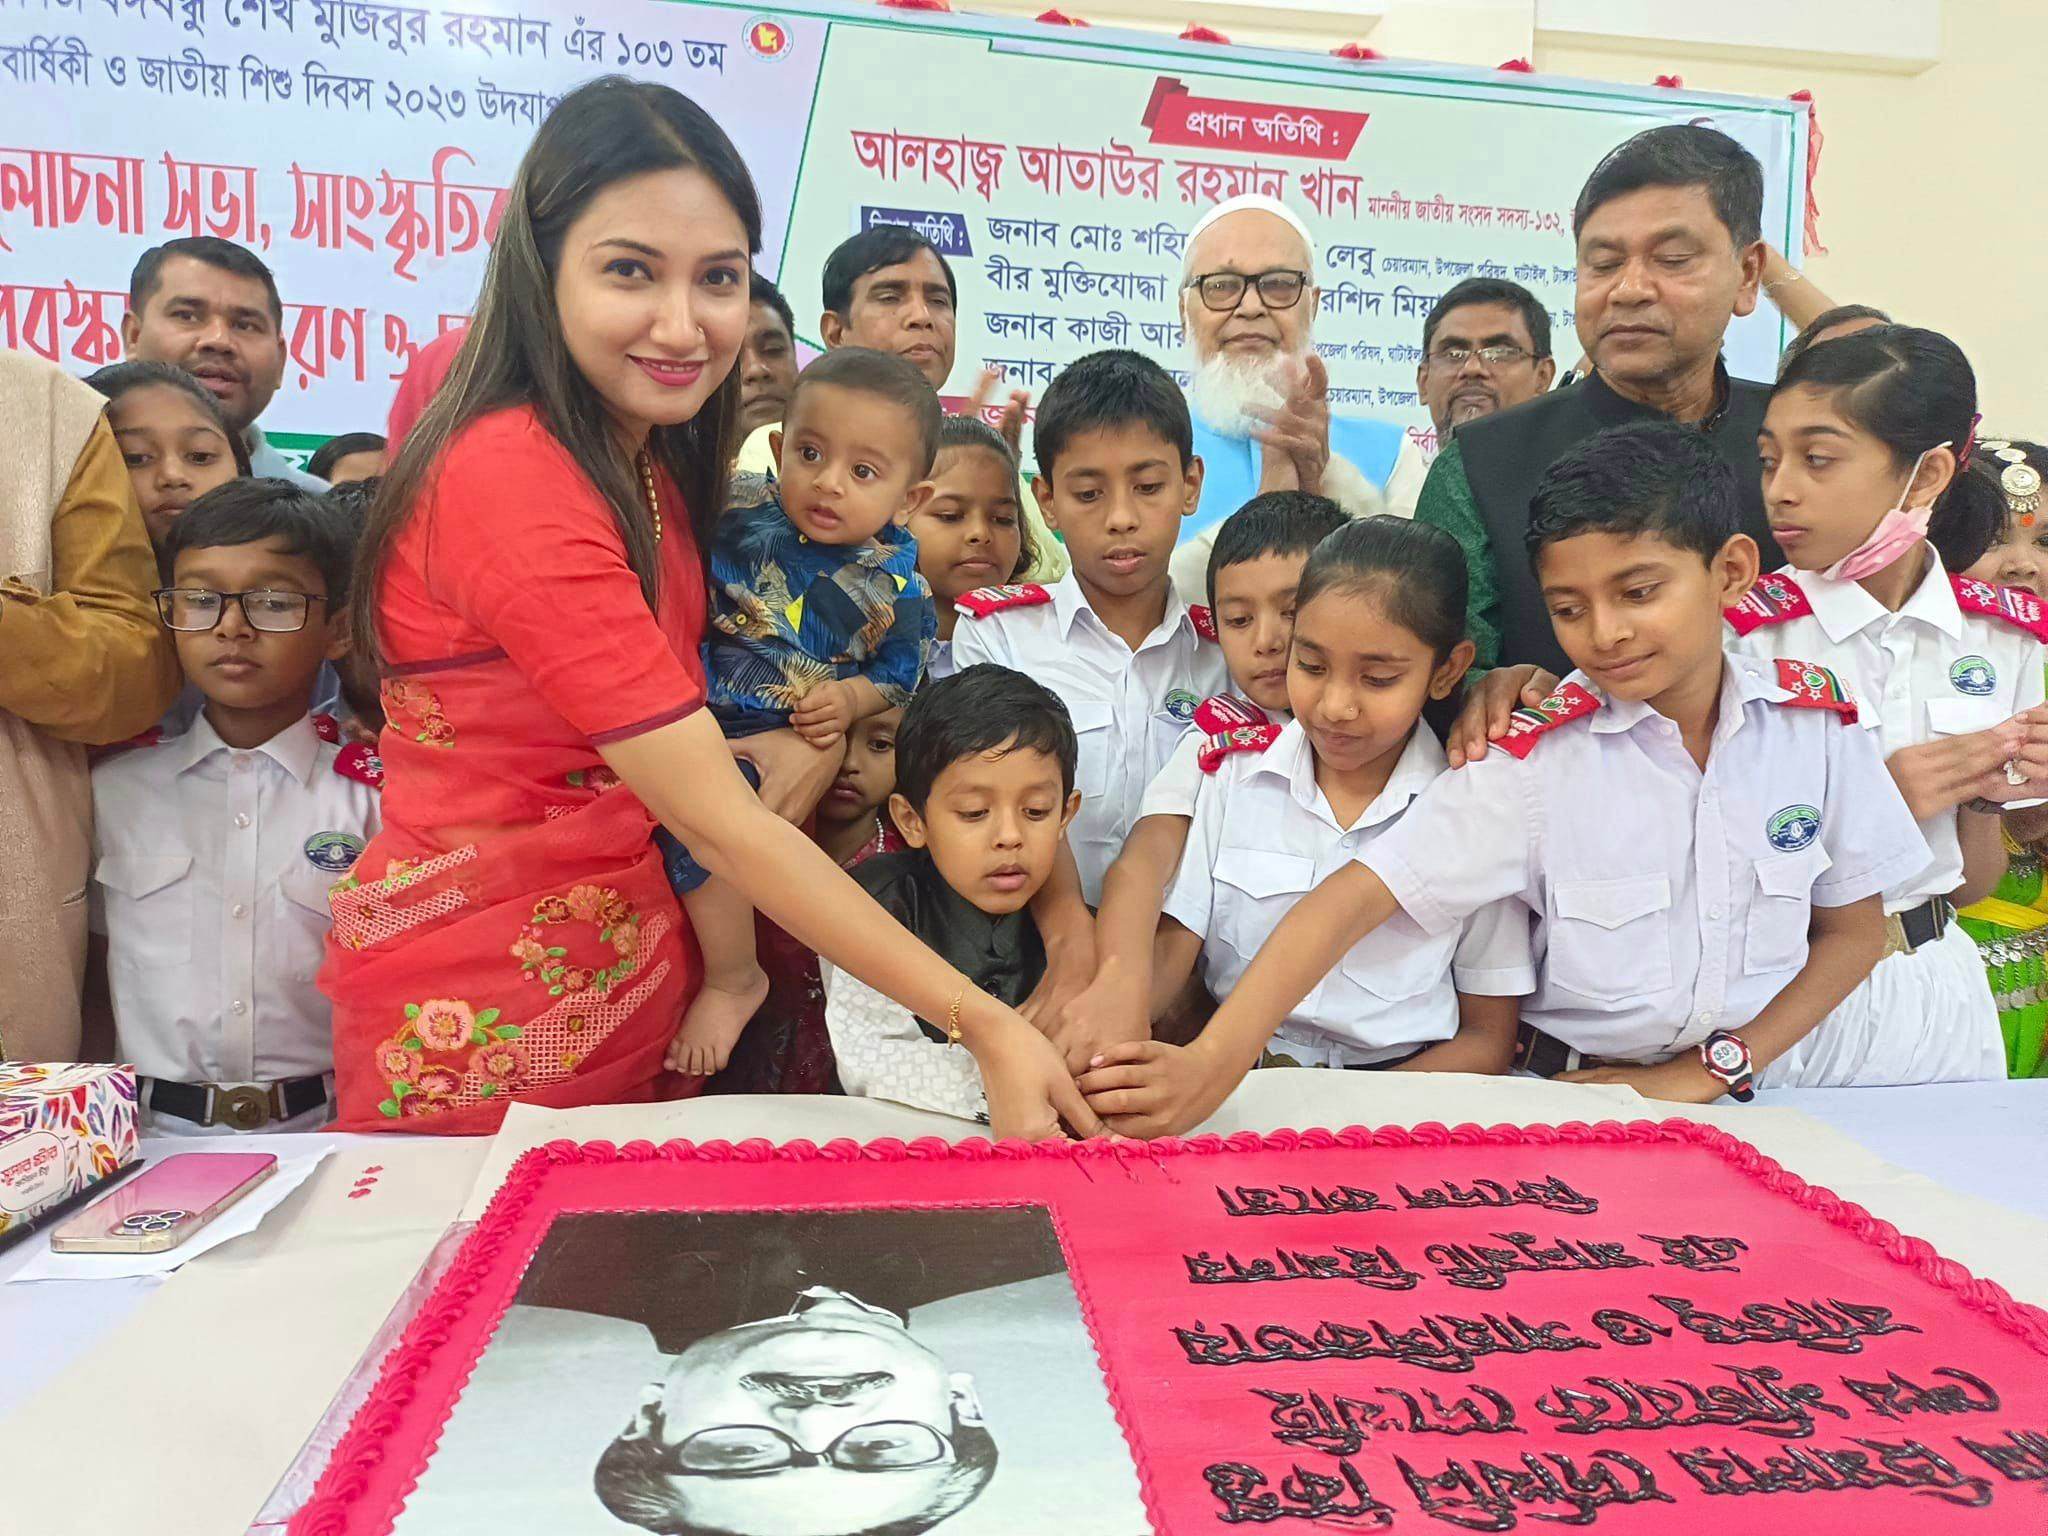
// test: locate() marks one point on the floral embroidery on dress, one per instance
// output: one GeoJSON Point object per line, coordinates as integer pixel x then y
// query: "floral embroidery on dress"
{"type": "Point", "coordinates": [416, 711]}
{"type": "Point", "coordinates": [599, 907]}
{"type": "Point", "coordinates": [596, 780]}
{"type": "Point", "coordinates": [484, 1061]}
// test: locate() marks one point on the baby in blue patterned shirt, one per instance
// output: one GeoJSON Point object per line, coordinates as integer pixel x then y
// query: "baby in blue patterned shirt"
{"type": "Point", "coordinates": [818, 620]}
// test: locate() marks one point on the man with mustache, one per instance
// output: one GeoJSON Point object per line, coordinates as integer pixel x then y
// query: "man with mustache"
{"type": "Point", "coordinates": [1259, 394]}
{"type": "Point", "coordinates": [1670, 250]}
{"type": "Point", "coordinates": [210, 307]}
{"type": "Point", "coordinates": [1485, 347]}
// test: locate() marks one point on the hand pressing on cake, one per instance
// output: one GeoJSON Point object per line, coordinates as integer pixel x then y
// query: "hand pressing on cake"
{"type": "Point", "coordinates": [713, 1022]}
{"type": "Point", "coordinates": [1148, 1088]}
{"type": "Point", "coordinates": [1683, 1079]}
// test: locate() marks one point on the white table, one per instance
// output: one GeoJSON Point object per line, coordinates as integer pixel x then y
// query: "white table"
{"type": "Point", "coordinates": [1985, 1140]}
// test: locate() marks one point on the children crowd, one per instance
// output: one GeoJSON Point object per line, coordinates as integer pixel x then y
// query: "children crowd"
{"type": "Point", "coordinates": [1775, 827]}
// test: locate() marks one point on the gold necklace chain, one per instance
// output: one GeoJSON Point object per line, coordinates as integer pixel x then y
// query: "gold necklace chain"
{"type": "Point", "coordinates": [653, 496]}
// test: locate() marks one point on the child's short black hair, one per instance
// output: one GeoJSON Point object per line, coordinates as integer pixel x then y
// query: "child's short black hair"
{"type": "Point", "coordinates": [355, 497]}
{"type": "Point", "coordinates": [885, 376]}
{"type": "Point", "coordinates": [1272, 523]}
{"type": "Point", "coordinates": [248, 511]}
{"type": "Point", "coordinates": [976, 710]}
{"type": "Point", "coordinates": [973, 432]}
{"type": "Point", "coordinates": [1647, 477]}
{"type": "Point", "coordinates": [335, 449]}
{"type": "Point", "coordinates": [1111, 389]}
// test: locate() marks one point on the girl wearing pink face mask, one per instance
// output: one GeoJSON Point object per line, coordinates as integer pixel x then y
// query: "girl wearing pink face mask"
{"type": "Point", "coordinates": [1861, 451]}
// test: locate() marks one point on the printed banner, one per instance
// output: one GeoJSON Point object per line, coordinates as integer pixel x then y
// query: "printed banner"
{"type": "Point", "coordinates": [364, 148]}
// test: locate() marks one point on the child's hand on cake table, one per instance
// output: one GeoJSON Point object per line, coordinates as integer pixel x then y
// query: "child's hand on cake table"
{"type": "Point", "coordinates": [1027, 1085]}
{"type": "Point", "coordinates": [1684, 1079]}
{"type": "Point", "coordinates": [826, 714]}
{"type": "Point", "coordinates": [1148, 1088]}
{"type": "Point", "coordinates": [1111, 1010]}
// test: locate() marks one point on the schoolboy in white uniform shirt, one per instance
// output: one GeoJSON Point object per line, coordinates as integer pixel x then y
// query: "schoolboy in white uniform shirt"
{"type": "Point", "coordinates": [1262, 837]}
{"type": "Point", "coordinates": [213, 862]}
{"type": "Point", "coordinates": [1111, 638]}
{"type": "Point", "coordinates": [1688, 831]}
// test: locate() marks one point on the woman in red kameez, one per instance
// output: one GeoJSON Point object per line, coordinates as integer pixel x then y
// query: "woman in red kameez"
{"type": "Point", "coordinates": [533, 586]}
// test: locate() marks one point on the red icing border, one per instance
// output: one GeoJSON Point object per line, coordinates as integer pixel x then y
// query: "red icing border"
{"type": "Point", "coordinates": [362, 1450]}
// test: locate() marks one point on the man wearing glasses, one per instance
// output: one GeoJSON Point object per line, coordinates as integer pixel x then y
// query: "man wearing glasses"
{"type": "Point", "coordinates": [1670, 251]}
{"type": "Point", "coordinates": [1258, 393]}
{"type": "Point", "coordinates": [1485, 347]}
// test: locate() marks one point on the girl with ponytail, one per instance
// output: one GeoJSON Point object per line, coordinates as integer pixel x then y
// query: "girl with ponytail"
{"type": "Point", "coordinates": [1864, 450]}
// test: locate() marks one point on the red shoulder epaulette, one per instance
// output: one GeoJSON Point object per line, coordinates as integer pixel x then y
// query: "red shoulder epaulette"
{"type": "Point", "coordinates": [1221, 745]}
{"type": "Point", "coordinates": [328, 729]}
{"type": "Point", "coordinates": [1814, 687]}
{"type": "Point", "coordinates": [983, 601]}
{"type": "Point", "coordinates": [361, 763]}
{"type": "Point", "coordinates": [1569, 703]}
{"type": "Point", "coordinates": [2021, 609]}
{"type": "Point", "coordinates": [1204, 620]}
{"type": "Point", "coordinates": [152, 737]}
{"type": "Point", "coordinates": [1230, 725]}
{"type": "Point", "coordinates": [1226, 712]}
{"type": "Point", "coordinates": [1775, 599]}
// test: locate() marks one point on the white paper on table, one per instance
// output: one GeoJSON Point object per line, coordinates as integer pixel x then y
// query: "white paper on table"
{"type": "Point", "coordinates": [244, 1216]}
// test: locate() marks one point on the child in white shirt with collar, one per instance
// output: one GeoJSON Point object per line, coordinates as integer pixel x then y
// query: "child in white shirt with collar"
{"type": "Point", "coordinates": [1255, 564]}
{"type": "Point", "coordinates": [1117, 474]}
{"type": "Point", "coordinates": [1700, 841]}
{"type": "Point", "coordinates": [214, 850]}
{"type": "Point", "coordinates": [971, 532]}
{"type": "Point", "coordinates": [1378, 638]}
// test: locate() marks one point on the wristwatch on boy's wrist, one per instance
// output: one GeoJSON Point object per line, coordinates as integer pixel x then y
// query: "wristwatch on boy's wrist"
{"type": "Point", "coordinates": [1726, 1056]}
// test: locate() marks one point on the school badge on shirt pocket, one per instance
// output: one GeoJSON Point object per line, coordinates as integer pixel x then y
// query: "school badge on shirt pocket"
{"type": "Point", "coordinates": [335, 852]}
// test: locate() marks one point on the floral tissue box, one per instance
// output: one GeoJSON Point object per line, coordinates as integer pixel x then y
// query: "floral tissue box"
{"type": "Point", "coordinates": [64, 1128]}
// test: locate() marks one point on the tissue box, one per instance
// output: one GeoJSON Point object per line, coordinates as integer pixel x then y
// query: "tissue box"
{"type": "Point", "coordinates": [63, 1130]}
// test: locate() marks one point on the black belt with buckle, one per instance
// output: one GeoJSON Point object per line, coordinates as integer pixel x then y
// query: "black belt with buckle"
{"type": "Point", "coordinates": [1917, 927]}
{"type": "Point", "coordinates": [1546, 1055]}
{"type": "Point", "coordinates": [248, 1108]}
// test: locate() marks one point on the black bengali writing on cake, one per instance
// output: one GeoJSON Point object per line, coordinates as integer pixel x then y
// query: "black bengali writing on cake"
{"type": "Point", "coordinates": [1526, 1426]}
{"type": "Point", "coordinates": [1549, 1193]}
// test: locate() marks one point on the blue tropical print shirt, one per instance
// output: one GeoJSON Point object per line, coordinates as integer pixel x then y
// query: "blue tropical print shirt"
{"type": "Point", "coordinates": [788, 613]}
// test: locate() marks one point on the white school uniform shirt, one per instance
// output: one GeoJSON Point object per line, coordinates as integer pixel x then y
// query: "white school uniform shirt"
{"type": "Point", "coordinates": [211, 872]}
{"type": "Point", "coordinates": [1669, 901]}
{"type": "Point", "coordinates": [1129, 708]}
{"type": "Point", "coordinates": [1264, 836]}
{"type": "Point", "coordinates": [1931, 669]}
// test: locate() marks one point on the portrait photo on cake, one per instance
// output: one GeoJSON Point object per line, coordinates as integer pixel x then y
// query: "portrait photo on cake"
{"type": "Point", "coordinates": [787, 1373]}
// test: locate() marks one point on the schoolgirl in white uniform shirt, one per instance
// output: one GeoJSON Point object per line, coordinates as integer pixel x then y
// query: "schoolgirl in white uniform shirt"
{"type": "Point", "coordinates": [1378, 635]}
{"type": "Point", "coordinates": [1861, 449]}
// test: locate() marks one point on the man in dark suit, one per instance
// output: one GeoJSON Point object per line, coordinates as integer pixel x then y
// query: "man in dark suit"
{"type": "Point", "coordinates": [1670, 250]}
{"type": "Point", "coordinates": [800, 1401]}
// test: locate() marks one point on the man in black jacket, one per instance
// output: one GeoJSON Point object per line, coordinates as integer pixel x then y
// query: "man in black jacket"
{"type": "Point", "coordinates": [1670, 250]}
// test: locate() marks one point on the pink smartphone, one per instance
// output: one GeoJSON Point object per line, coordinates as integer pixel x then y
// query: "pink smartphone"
{"type": "Point", "coordinates": [165, 1204]}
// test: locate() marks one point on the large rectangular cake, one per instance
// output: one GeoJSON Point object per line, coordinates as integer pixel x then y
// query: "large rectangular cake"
{"type": "Point", "coordinates": [1640, 1328]}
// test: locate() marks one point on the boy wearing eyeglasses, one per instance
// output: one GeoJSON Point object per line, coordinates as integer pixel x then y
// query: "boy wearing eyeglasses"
{"type": "Point", "coordinates": [214, 850]}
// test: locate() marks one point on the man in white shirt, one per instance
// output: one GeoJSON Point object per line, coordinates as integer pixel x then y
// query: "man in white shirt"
{"type": "Point", "coordinates": [1485, 348]}
{"type": "Point", "coordinates": [210, 307]}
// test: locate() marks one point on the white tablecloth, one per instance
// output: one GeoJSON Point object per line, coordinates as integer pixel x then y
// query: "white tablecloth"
{"type": "Point", "coordinates": [215, 1376]}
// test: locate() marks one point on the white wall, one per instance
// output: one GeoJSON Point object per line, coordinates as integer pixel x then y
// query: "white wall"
{"type": "Point", "coordinates": [1932, 198]}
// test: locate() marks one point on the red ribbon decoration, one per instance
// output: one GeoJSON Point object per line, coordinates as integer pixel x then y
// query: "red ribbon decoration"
{"type": "Point", "coordinates": [917, 5]}
{"type": "Point", "coordinates": [1517, 67]}
{"type": "Point", "coordinates": [1814, 141]}
{"type": "Point", "coordinates": [1061, 19]}
{"type": "Point", "coordinates": [1670, 82]}
{"type": "Point", "coordinates": [1357, 53]}
{"type": "Point", "coordinates": [1199, 34]}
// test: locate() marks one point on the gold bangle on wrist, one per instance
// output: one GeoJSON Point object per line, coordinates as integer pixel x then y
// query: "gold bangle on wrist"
{"type": "Point", "coordinates": [953, 1019]}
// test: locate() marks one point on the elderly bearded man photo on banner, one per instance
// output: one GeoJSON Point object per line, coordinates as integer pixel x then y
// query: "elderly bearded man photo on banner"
{"type": "Point", "coordinates": [1259, 394]}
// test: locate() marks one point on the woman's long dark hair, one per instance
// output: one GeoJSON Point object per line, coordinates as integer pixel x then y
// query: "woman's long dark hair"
{"type": "Point", "coordinates": [600, 133]}
{"type": "Point", "coordinates": [1912, 390]}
